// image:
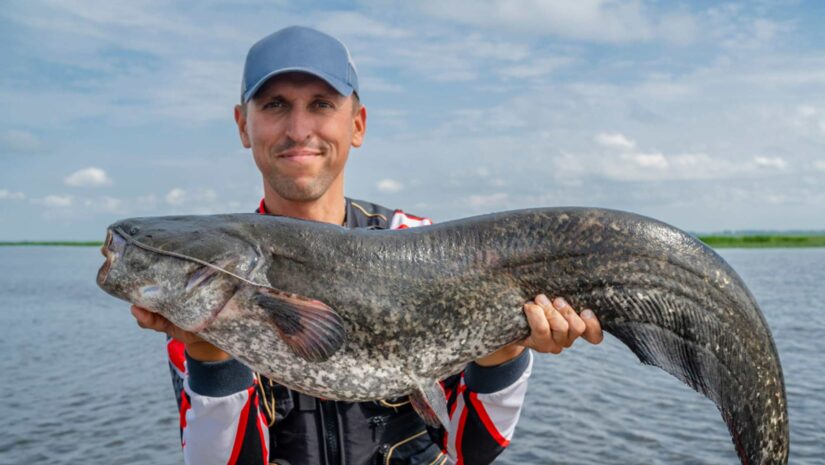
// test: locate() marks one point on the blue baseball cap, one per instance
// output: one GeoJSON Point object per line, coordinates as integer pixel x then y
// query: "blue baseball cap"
{"type": "Point", "coordinates": [302, 49]}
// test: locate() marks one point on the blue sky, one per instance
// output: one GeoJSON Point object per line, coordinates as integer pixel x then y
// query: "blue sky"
{"type": "Point", "coordinates": [707, 115]}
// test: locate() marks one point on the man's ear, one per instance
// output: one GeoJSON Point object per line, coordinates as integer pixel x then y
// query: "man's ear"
{"type": "Point", "coordinates": [359, 126]}
{"type": "Point", "coordinates": [240, 120]}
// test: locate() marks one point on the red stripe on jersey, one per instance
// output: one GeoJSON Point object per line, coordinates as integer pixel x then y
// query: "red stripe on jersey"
{"type": "Point", "coordinates": [444, 446]}
{"type": "Point", "coordinates": [402, 226]}
{"type": "Point", "coordinates": [448, 392]}
{"type": "Point", "coordinates": [261, 424]}
{"type": "Point", "coordinates": [239, 435]}
{"type": "Point", "coordinates": [412, 217]}
{"type": "Point", "coordinates": [184, 407]}
{"type": "Point", "coordinates": [459, 391]}
{"type": "Point", "coordinates": [488, 423]}
{"type": "Point", "coordinates": [175, 349]}
{"type": "Point", "coordinates": [459, 436]}
{"type": "Point", "coordinates": [262, 208]}
{"type": "Point", "coordinates": [264, 445]}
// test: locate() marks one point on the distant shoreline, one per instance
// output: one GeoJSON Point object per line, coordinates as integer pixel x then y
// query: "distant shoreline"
{"type": "Point", "coordinates": [717, 241]}
{"type": "Point", "coordinates": [753, 241]}
{"type": "Point", "coordinates": [51, 243]}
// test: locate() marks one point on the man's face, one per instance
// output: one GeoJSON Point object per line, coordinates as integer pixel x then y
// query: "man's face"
{"type": "Point", "coordinates": [300, 131]}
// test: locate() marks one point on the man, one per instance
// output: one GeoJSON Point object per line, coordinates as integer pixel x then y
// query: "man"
{"type": "Point", "coordinates": [300, 113]}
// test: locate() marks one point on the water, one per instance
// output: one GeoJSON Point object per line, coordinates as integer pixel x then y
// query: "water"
{"type": "Point", "coordinates": [82, 384]}
{"type": "Point", "coordinates": [599, 405]}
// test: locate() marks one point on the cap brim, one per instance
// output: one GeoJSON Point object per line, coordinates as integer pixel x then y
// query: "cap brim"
{"type": "Point", "coordinates": [340, 86]}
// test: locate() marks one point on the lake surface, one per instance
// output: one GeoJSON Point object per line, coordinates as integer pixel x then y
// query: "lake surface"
{"type": "Point", "coordinates": [82, 384]}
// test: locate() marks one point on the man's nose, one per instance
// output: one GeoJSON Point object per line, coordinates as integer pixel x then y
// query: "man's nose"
{"type": "Point", "coordinates": [299, 126]}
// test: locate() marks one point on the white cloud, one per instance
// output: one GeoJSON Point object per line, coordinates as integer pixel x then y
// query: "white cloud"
{"type": "Point", "coordinates": [8, 195]}
{"type": "Point", "coordinates": [349, 23]}
{"type": "Point", "coordinates": [499, 199]}
{"type": "Point", "coordinates": [377, 84]}
{"type": "Point", "coordinates": [195, 92]}
{"type": "Point", "coordinates": [389, 186]}
{"type": "Point", "coordinates": [752, 33]}
{"type": "Point", "coordinates": [105, 204]}
{"type": "Point", "coordinates": [448, 56]}
{"type": "Point", "coordinates": [146, 202]}
{"type": "Point", "coordinates": [647, 160]}
{"type": "Point", "coordinates": [208, 195]}
{"type": "Point", "coordinates": [632, 166]}
{"type": "Point", "coordinates": [807, 111]}
{"type": "Point", "coordinates": [657, 166]}
{"type": "Point", "coordinates": [820, 165]}
{"type": "Point", "coordinates": [593, 20]}
{"type": "Point", "coordinates": [175, 196]}
{"type": "Point", "coordinates": [663, 87]}
{"type": "Point", "coordinates": [775, 162]}
{"type": "Point", "coordinates": [55, 201]}
{"type": "Point", "coordinates": [88, 177]}
{"type": "Point", "coordinates": [615, 140]}
{"type": "Point", "coordinates": [535, 68]}
{"type": "Point", "coordinates": [17, 141]}
{"type": "Point", "coordinates": [680, 28]}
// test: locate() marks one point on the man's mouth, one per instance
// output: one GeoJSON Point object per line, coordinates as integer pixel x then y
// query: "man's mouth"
{"type": "Point", "coordinates": [299, 154]}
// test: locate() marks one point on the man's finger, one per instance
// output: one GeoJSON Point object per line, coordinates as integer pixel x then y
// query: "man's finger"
{"type": "Point", "coordinates": [575, 324]}
{"type": "Point", "coordinates": [539, 327]}
{"type": "Point", "coordinates": [143, 317]}
{"type": "Point", "coordinates": [558, 323]}
{"type": "Point", "coordinates": [148, 320]}
{"type": "Point", "coordinates": [593, 329]}
{"type": "Point", "coordinates": [540, 338]}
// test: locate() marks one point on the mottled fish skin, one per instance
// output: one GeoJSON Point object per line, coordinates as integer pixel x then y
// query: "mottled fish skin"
{"type": "Point", "coordinates": [417, 305]}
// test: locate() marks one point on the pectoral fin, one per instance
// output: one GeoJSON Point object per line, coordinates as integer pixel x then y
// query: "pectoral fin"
{"type": "Point", "coordinates": [310, 327]}
{"type": "Point", "coordinates": [430, 403]}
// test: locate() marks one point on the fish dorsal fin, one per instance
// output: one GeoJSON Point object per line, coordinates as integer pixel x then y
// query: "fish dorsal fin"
{"type": "Point", "coordinates": [309, 327]}
{"type": "Point", "coordinates": [430, 402]}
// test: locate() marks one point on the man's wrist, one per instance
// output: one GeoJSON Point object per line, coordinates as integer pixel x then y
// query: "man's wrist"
{"type": "Point", "coordinates": [503, 355]}
{"type": "Point", "coordinates": [203, 351]}
{"type": "Point", "coordinates": [487, 380]}
{"type": "Point", "coordinates": [217, 379]}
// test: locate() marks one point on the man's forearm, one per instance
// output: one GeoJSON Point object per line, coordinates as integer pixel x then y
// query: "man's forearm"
{"type": "Point", "coordinates": [503, 355]}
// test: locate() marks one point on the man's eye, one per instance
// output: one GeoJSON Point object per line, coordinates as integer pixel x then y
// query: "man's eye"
{"type": "Point", "coordinates": [275, 104]}
{"type": "Point", "coordinates": [324, 104]}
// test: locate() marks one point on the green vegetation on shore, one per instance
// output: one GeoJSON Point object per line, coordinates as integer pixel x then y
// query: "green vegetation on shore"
{"type": "Point", "coordinates": [60, 243]}
{"type": "Point", "coordinates": [762, 240]}
{"type": "Point", "coordinates": [713, 240]}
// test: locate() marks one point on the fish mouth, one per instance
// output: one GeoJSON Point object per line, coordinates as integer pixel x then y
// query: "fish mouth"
{"type": "Point", "coordinates": [112, 249]}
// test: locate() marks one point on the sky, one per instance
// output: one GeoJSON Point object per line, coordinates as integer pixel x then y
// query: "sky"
{"type": "Point", "coordinates": [707, 115]}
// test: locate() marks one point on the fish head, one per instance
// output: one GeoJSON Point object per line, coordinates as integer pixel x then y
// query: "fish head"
{"type": "Point", "coordinates": [180, 267]}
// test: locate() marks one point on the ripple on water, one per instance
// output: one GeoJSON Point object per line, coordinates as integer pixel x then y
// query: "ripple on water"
{"type": "Point", "coordinates": [82, 375]}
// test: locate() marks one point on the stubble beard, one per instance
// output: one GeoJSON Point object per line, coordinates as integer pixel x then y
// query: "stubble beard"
{"type": "Point", "coordinates": [295, 189]}
{"type": "Point", "coordinates": [292, 189]}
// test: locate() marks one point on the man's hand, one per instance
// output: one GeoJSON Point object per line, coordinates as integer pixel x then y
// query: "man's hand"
{"type": "Point", "coordinates": [196, 347]}
{"type": "Point", "coordinates": [553, 328]}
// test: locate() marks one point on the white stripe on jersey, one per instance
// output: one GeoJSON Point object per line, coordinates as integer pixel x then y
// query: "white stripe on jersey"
{"type": "Point", "coordinates": [401, 220]}
{"type": "Point", "coordinates": [504, 406]}
{"type": "Point", "coordinates": [208, 437]}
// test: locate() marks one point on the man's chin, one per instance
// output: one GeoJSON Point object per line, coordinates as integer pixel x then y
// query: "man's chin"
{"type": "Point", "coordinates": [296, 191]}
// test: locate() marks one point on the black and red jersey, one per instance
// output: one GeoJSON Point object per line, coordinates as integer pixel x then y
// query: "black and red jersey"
{"type": "Point", "coordinates": [232, 416]}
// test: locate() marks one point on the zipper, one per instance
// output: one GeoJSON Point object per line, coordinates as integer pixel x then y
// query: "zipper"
{"type": "Point", "coordinates": [377, 424]}
{"type": "Point", "coordinates": [331, 433]}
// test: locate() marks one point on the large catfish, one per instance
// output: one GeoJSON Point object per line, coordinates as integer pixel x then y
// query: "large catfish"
{"type": "Point", "coordinates": [358, 314]}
